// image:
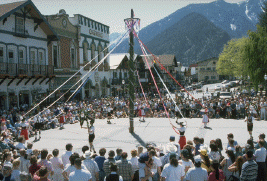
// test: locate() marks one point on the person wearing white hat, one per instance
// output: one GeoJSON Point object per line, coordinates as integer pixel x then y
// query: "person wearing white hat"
{"type": "Point", "coordinates": [91, 165]}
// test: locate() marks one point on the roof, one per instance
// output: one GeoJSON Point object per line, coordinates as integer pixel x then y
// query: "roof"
{"type": "Point", "coordinates": [5, 8]}
{"type": "Point", "coordinates": [8, 9]}
{"type": "Point", "coordinates": [116, 59]}
{"type": "Point", "coordinates": [167, 60]}
{"type": "Point", "coordinates": [205, 62]}
{"type": "Point", "coordinates": [149, 59]}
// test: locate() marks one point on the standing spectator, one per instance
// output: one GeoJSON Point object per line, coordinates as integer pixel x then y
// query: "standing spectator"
{"type": "Point", "coordinates": [118, 152]}
{"type": "Point", "coordinates": [34, 166]}
{"type": "Point", "coordinates": [197, 145]}
{"type": "Point", "coordinates": [261, 137]}
{"type": "Point", "coordinates": [134, 161]}
{"type": "Point", "coordinates": [236, 167]}
{"type": "Point", "coordinates": [173, 171]}
{"type": "Point", "coordinates": [156, 167]}
{"type": "Point", "coordinates": [24, 163]}
{"type": "Point", "coordinates": [46, 163]}
{"type": "Point", "coordinates": [7, 172]}
{"type": "Point", "coordinates": [91, 165]}
{"type": "Point", "coordinates": [66, 155]}
{"type": "Point", "coordinates": [206, 162]}
{"type": "Point", "coordinates": [125, 167]}
{"type": "Point", "coordinates": [41, 175]}
{"type": "Point", "coordinates": [226, 162]}
{"type": "Point", "coordinates": [113, 176]}
{"type": "Point", "coordinates": [214, 153]}
{"type": "Point", "coordinates": [100, 161]}
{"type": "Point", "coordinates": [185, 162]}
{"type": "Point", "coordinates": [108, 162]}
{"type": "Point", "coordinates": [216, 174]}
{"type": "Point", "coordinates": [249, 169]}
{"type": "Point", "coordinates": [197, 173]}
{"type": "Point", "coordinates": [16, 171]}
{"type": "Point", "coordinates": [260, 155]}
{"type": "Point", "coordinates": [57, 166]}
{"type": "Point", "coordinates": [80, 174]}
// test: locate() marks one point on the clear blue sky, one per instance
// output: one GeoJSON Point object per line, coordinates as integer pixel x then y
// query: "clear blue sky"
{"type": "Point", "coordinates": [113, 12]}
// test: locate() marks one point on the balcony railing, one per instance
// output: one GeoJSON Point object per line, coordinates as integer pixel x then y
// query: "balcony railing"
{"type": "Point", "coordinates": [15, 69]}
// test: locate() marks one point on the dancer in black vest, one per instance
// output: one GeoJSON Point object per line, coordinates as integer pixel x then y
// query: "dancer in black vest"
{"type": "Point", "coordinates": [113, 176]}
{"type": "Point", "coordinates": [249, 119]}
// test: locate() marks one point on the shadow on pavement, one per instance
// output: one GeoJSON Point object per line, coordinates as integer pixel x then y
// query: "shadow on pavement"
{"type": "Point", "coordinates": [139, 139]}
{"type": "Point", "coordinates": [208, 127]}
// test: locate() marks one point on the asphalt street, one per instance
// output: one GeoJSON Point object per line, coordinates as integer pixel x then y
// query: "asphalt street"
{"type": "Point", "coordinates": [153, 130]}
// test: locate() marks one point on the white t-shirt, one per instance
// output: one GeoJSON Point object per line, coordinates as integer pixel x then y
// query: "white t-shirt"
{"type": "Point", "coordinates": [156, 163]}
{"type": "Point", "coordinates": [65, 157]}
{"type": "Point", "coordinates": [80, 175]}
{"type": "Point", "coordinates": [71, 168]}
{"type": "Point", "coordinates": [92, 130]}
{"type": "Point", "coordinates": [186, 164]}
{"type": "Point", "coordinates": [15, 175]}
{"type": "Point", "coordinates": [173, 173]}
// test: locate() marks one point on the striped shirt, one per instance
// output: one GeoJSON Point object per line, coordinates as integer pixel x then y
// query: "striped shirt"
{"type": "Point", "coordinates": [125, 169]}
{"type": "Point", "coordinates": [249, 171]}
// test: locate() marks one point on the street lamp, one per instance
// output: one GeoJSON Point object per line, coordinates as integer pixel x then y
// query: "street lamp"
{"type": "Point", "coordinates": [123, 82]}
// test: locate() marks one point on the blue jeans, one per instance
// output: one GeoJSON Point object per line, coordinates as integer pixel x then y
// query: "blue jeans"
{"type": "Point", "coordinates": [156, 177]}
{"type": "Point", "coordinates": [101, 175]}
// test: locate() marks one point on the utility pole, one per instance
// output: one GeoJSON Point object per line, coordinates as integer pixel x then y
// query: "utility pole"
{"type": "Point", "coordinates": [130, 24]}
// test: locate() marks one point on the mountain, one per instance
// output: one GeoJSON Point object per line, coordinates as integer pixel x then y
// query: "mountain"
{"type": "Point", "coordinates": [234, 18]}
{"type": "Point", "coordinates": [191, 39]}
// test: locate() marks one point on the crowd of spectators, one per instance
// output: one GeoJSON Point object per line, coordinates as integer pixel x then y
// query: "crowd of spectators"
{"type": "Point", "coordinates": [196, 161]}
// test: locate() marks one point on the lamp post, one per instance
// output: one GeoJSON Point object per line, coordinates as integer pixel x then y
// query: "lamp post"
{"type": "Point", "coordinates": [123, 82]}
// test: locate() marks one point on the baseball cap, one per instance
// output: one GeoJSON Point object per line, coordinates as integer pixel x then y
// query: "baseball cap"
{"type": "Point", "coordinates": [197, 159]}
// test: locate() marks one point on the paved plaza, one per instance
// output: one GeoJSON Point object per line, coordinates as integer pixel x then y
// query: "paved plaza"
{"type": "Point", "coordinates": [155, 130]}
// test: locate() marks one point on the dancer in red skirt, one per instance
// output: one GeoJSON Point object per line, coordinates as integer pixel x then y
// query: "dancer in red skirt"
{"type": "Point", "coordinates": [181, 130]}
{"type": "Point", "coordinates": [24, 129]}
{"type": "Point", "coordinates": [62, 120]}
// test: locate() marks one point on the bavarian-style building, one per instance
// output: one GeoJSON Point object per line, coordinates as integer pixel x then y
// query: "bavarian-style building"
{"type": "Point", "coordinates": [93, 39]}
{"type": "Point", "coordinates": [64, 54]}
{"type": "Point", "coordinates": [25, 72]}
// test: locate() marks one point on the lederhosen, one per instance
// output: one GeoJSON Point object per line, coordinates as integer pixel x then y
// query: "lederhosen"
{"type": "Point", "coordinates": [82, 117]}
{"type": "Point", "coordinates": [91, 137]}
{"type": "Point", "coordinates": [37, 125]}
{"type": "Point", "coordinates": [250, 124]}
{"type": "Point", "coordinates": [113, 177]}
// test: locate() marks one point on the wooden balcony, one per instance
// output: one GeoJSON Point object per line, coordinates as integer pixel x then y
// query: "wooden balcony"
{"type": "Point", "coordinates": [25, 70]}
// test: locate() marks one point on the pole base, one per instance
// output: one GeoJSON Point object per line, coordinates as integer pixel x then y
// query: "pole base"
{"type": "Point", "coordinates": [131, 130]}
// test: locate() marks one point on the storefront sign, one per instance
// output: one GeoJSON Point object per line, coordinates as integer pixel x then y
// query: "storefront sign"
{"type": "Point", "coordinates": [95, 33]}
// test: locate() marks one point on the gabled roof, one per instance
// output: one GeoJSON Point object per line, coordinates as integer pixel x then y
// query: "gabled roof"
{"type": "Point", "coordinates": [116, 59]}
{"type": "Point", "coordinates": [167, 60]}
{"type": "Point", "coordinates": [150, 60]}
{"type": "Point", "coordinates": [8, 9]}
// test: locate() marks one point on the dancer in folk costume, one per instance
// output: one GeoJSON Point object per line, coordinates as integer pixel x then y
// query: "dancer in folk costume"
{"type": "Point", "coordinates": [82, 116]}
{"type": "Point", "coordinates": [37, 127]}
{"type": "Point", "coordinates": [62, 120]}
{"type": "Point", "coordinates": [142, 114]}
{"type": "Point", "coordinates": [205, 119]}
{"type": "Point", "coordinates": [24, 129]}
{"type": "Point", "coordinates": [91, 131]}
{"type": "Point", "coordinates": [249, 119]}
{"type": "Point", "coordinates": [182, 129]}
{"type": "Point", "coordinates": [110, 111]}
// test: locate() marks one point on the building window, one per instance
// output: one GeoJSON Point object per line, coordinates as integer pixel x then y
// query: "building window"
{"type": "Point", "coordinates": [21, 57]}
{"type": "Point", "coordinates": [93, 52]}
{"type": "Point", "coordinates": [1, 54]}
{"type": "Point", "coordinates": [214, 68]}
{"type": "Point", "coordinates": [41, 58]}
{"type": "Point", "coordinates": [72, 56]}
{"type": "Point", "coordinates": [33, 57]}
{"type": "Point", "coordinates": [196, 68]}
{"type": "Point", "coordinates": [213, 77]}
{"type": "Point", "coordinates": [55, 56]}
{"type": "Point", "coordinates": [206, 77]}
{"type": "Point", "coordinates": [214, 63]}
{"type": "Point", "coordinates": [114, 75]}
{"type": "Point", "coordinates": [19, 25]}
{"type": "Point", "coordinates": [202, 68]}
{"type": "Point", "coordinates": [125, 74]}
{"type": "Point", "coordinates": [10, 56]}
{"type": "Point", "coordinates": [209, 69]}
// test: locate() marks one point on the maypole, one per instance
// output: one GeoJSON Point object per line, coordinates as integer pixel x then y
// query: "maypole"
{"type": "Point", "coordinates": [130, 23]}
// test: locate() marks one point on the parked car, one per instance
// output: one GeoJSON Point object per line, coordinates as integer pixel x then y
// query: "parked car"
{"type": "Point", "coordinates": [225, 95]}
{"type": "Point", "coordinates": [225, 81]}
{"type": "Point", "coordinates": [217, 88]}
